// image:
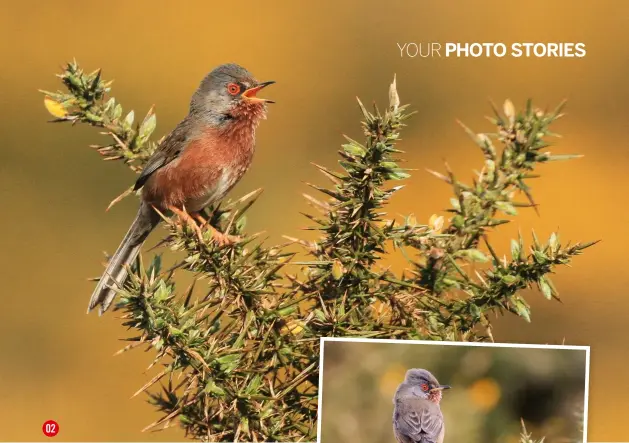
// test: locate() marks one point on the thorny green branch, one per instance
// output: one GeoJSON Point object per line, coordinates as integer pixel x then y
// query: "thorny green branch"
{"type": "Point", "coordinates": [84, 103]}
{"type": "Point", "coordinates": [238, 349]}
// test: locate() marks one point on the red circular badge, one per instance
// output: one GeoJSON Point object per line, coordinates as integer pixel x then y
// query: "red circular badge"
{"type": "Point", "coordinates": [50, 428]}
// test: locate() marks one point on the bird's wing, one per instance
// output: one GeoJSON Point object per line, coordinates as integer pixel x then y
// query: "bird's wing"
{"type": "Point", "coordinates": [168, 150]}
{"type": "Point", "coordinates": [420, 420]}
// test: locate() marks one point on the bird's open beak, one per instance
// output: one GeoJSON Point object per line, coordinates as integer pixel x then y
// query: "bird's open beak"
{"type": "Point", "coordinates": [440, 388]}
{"type": "Point", "coordinates": [250, 94]}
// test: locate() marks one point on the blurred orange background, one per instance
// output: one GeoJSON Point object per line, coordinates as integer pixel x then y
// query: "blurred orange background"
{"type": "Point", "coordinates": [57, 362]}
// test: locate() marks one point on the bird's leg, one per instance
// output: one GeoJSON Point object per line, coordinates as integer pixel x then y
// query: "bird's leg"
{"type": "Point", "coordinates": [219, 237]}
{"type": "Point", "coordinates": [184, 216]}
{"type": "Point", "coordinates": [199, 218]}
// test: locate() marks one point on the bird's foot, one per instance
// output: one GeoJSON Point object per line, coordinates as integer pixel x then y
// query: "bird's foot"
{"type": "Point", "coordinates": [224, 239]}
{"type": "Point", "coordinates": [187, 218]}
{"type": "Point", "coordinates": [220, 238]}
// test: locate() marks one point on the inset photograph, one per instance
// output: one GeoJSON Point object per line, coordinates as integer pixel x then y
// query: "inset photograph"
{"type": "Point", "coordinates": [377, 391]}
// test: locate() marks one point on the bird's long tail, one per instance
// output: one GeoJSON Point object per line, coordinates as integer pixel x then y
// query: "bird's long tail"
{"type": "Point", "coordinates": [117, 268]}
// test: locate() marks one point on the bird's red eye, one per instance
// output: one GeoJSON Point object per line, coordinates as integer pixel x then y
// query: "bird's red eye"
{"type": "Point", "coordinates": [424, 387]}
{"type": "Point", "coordinates": [233, 88]}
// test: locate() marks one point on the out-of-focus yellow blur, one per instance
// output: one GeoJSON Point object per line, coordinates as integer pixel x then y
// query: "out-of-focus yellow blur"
{"type": "Point", "coordinates": [56, 362]}
{"type": "Point", "coordinates": [493, 388]}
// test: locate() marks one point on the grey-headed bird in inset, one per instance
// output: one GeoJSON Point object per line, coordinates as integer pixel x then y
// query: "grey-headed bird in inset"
{"type": "Point", "coordinates": [417, 416]}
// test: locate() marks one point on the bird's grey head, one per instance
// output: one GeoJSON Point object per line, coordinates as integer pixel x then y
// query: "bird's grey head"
{"type": "Point", "coordinates": [423, 384]}
{"type": "Point", "coordinates": [229, 92]}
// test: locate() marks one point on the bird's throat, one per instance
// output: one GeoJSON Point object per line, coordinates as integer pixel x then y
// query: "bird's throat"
{"type": "Point", "coordinates": [435, 396]}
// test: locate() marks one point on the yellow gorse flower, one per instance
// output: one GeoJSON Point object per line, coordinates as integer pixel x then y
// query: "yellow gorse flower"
{"type": "Point", "coordinates": [55, 108]}
{"type": "Point", "coordinates": [436, 223]}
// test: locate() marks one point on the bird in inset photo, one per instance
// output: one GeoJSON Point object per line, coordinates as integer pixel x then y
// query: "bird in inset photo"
{"type": "Point", "coordinates": [417, 416]}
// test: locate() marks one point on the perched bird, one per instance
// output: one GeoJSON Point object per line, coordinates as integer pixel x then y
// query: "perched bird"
{"type": "Point", "coordinates": [417, 416]}
{"type": "Point", "coordinates": [193, 167]}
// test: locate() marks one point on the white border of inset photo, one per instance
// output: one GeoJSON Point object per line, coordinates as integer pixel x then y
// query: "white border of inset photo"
{"type": "Point", "coordinates": [323, 340]}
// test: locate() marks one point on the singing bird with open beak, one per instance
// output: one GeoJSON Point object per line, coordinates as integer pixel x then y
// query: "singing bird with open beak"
{"type": "Point", "coordinates": [195, 166]}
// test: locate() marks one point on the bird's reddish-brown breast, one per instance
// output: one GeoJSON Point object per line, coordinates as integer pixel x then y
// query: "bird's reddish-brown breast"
{"type": "Point", "coordinates": [208, 167]}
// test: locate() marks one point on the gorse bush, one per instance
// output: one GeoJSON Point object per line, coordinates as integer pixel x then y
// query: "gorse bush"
{"type": "Point", "coordinates": [238, 351]}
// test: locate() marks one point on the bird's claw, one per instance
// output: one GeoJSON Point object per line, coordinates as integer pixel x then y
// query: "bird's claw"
{"type": "Point", "coordinates": [224, 239]}
{"type": "Point", "coordinates": [184, 216]}
{"type": "Point", "coordinates": [220, 238]}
